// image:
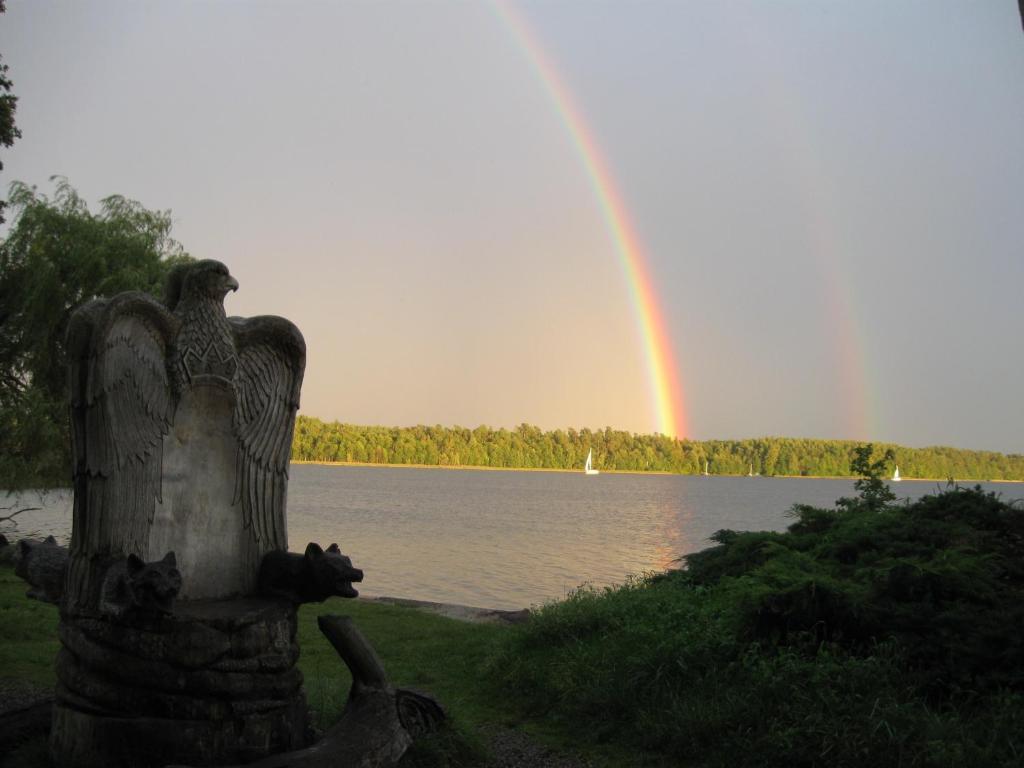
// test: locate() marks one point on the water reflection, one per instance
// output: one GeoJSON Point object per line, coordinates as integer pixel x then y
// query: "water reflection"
{"type": "Point", "coordinates": [47, 513]}
{"type": "Point", "coordinates": [513, 539]}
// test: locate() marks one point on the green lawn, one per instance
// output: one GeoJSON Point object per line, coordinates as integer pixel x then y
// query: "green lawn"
{"type": "Point", "coordinates": [424, 651]}
{"type": "Point", "coordinates": [28, 632]}
{"type": "Point", "coordinates": [419, 650]}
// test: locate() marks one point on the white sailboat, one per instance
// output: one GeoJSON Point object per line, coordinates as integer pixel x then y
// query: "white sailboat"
{"type": "Point", "coordinates": [705, 468]}
{"type": "Point", "coordinates": [589, 466]}
{"type": "Point", "coordinates": [896, 475]}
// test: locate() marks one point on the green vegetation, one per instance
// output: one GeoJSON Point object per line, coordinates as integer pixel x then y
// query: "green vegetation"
{"type": "Point", "coordinates": [419, 650]}
{"type": "Point", "coordinates": [528, 447]}
{"type": "Point", "coordinates": [872, 634]}
{"type": "Point", "coordinates": [28, 632]}
{"type": "Point", "coordinates": [57, 256]}
{"type": "Point", "coordinates": [8, 105]}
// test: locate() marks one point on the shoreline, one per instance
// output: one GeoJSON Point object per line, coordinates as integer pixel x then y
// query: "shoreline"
{"type": "Point", "coordinates": [477, 467]}
{"type": "Point", "coordinates": [468, 613]}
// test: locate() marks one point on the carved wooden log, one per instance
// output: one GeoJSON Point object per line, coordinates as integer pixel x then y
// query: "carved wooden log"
{"type": "Point", "coordinates": [213, 682]}
{"type": "Point", "coordinates": [379, 722]}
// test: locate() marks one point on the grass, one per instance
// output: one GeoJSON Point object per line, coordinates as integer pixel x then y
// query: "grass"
{"type": "Point", "coordinates": [419, 650]}
{"type": "Point", "coordinates": [28, 633]}
{"type": "Point", "coordinates": [874, 634]}
{"type": "Point", "coordinates": [885, 636]}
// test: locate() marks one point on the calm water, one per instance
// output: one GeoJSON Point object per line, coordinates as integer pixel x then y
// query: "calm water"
{"type": "Point", "coordinates": [513, 539]}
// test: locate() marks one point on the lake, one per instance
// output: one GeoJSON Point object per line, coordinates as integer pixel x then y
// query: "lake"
{"type": "Point", "coordinates": [507, 539]}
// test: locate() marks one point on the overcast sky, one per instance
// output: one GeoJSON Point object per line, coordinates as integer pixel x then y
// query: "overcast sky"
{"type": "Point", "coordinates": [829, 196]}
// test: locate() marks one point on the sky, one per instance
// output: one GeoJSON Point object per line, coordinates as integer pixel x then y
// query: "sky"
{"type": "Point", "coordinates": [823, 200]}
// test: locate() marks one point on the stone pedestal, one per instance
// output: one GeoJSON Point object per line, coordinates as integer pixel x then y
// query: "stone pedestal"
{"type": "Point", "coordinates": [213, 683]}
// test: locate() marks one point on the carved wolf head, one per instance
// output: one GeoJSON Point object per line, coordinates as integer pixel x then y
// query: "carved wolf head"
{"type": "Point", "coordinates": [332, 571]}
{"type": "Point", "coordinates": [27, 549]}
{"type": "Point", "coordinates": [153, 586]}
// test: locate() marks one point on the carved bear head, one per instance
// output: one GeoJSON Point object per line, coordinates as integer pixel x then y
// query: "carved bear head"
{"type": "Point", "coordinates": [153, 586]}
{"type": "Point", "coordinates": [331, 570]}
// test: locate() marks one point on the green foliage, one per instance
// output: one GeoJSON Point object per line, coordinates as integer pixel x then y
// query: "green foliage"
{"type": "Point", "coordinates": [8, 104]}
{"type": "Point", "coordinates": [866, 634]}
{"type": "Point", "coordinates": [419, 650]}
{"type": "Point", "coordinates": [28, 633]}
{"type": "Point", "coordinates": [860, 636]}
{"type": "Point", "coordinates": [874, 492]}
{"type": "Point", "coordinates": [56, 256]}
{"type": "Point", "coordinates": [528, 447]}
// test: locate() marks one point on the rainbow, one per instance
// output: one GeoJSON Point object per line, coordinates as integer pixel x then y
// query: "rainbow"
{"type": "Point", "coordinates": [666, 391]}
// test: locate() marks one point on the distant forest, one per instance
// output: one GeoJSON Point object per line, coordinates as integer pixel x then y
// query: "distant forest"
{"type": "Point", "coordinates": [528, 447]}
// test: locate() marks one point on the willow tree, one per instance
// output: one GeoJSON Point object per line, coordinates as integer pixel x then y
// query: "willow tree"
{"type": "Point", "coordinates": [57, 255]}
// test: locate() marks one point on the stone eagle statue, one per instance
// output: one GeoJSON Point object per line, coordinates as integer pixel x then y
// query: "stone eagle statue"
{"type": "Point", "coordinates": [182, 422]}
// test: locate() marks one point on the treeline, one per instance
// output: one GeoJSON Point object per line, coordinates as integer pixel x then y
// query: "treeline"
{"type": "Point", "coordinates": [528, 447]}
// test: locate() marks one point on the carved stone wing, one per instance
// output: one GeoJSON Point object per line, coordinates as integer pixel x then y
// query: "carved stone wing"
{"type": "Point", "coordinates": [121, 408]}
{"type": "Point", "coordinates": [272, 357]}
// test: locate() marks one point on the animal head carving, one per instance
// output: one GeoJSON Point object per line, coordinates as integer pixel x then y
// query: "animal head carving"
{"type": "Point", "coordinates": [331, 570]}
{"type": "Point", "coordinates": [26, 548]}
{"type": "Point", "coordinates": [208, 279]}
{"type": "Point", "coordinates": [153, 586]}
{"type": "Point", "coordinates": [42, 564]}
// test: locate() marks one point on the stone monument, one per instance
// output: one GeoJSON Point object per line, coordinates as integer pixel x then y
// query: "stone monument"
{"type": "Point", "coordinates": [178, 608]}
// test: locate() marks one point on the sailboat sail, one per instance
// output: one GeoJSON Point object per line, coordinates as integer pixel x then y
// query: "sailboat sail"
{"type": "Point", "coordinates": [589, 466]}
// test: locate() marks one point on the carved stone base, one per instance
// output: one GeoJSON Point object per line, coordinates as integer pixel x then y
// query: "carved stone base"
{"type": "Point", "coordinates": [213, 683]}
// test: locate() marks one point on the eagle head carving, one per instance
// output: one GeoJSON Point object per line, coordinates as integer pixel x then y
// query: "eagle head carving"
{"type": "Point", "coordinates": [206, 279]}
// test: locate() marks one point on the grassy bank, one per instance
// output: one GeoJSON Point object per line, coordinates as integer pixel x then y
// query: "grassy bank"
{"type": "Point", "coordinates": [873, 633]}
{"type": "Point", "coordinates": [419, 650]}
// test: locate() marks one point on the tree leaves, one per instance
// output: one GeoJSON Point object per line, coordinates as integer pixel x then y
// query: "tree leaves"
{"type": "Point", "coordinates": [57, 255]}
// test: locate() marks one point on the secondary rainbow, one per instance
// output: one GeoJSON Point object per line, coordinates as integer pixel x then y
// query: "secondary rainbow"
{"type": "Point", "coordinates": [856, 412]}
{"type": "Point", "coordinates": [666, 390]}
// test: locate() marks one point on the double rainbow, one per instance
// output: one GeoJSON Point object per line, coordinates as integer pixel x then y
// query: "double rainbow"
{"type": "Point", "coordinates": [663, 376]}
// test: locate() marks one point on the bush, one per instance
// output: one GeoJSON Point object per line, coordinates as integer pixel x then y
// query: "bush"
{"type": "Point", "coordinates": [869, 634]}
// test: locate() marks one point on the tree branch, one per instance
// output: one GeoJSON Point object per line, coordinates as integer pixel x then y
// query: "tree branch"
{"type": "Point", "coordinates": [5, 518]}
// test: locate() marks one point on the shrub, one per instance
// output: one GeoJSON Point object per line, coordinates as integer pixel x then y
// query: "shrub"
{"type": "Point", "coordinates": [870, 634]}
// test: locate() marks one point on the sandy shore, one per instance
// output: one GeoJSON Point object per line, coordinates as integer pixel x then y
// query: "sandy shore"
{"type": "Point", "coordinates": [454, 611]}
